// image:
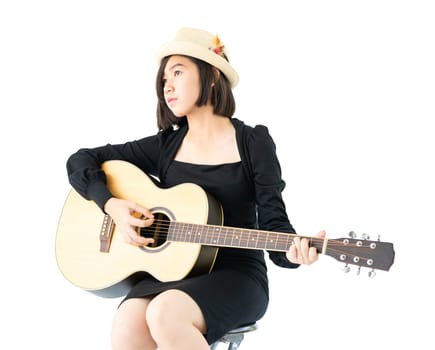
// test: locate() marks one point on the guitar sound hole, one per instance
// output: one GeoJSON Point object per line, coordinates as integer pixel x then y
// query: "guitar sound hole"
{"type": "Point", "coordinates": [158, 230]}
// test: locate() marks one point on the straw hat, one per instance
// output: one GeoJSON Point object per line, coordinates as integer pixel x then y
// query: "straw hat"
{"type": "Point", "coordinates": [202, 45]}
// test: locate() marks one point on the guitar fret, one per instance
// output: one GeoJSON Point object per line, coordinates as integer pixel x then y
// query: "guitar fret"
{"type": "Point", "coordinates": [207, 239]}
{"type": "Point", "coordinates": [218, 232]}
{"type": "Point", "coordinates": [187, 233]}
{"type": "Point", "coordinates": [233, 237]}
{"type": "Point", "coordinates": [171, 231]}
{"type": "Point", "coordinates": [229, 237]}
{"type": "Point", "coordinates": [215, 236]}
{"type": "Point", "coordinates": [244, 239]}
{"type": "Point", "coordinates": [195, 233]}
{"type": "Point", "coordinates": [253, 240]}
{"type": "Point", "coordinates": [286, 245]}
{"type": "Point", "coordinates": [182, 233]}
{"type": "Point", "coordinates": [270, 243]}
{"type": "Point", "coordinates": [223, 235]}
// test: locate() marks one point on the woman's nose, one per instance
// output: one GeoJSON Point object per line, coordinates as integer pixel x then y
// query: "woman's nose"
{"type": "Point", "coordinates": [168, 87]}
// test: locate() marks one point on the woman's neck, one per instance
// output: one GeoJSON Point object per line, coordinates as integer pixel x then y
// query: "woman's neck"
{"type": "Point", "coordinates": [210, 139]}
{"type": "Point", "coordinates": [207, 125]}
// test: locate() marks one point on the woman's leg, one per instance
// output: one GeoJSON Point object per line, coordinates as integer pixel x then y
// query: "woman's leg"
{"type": "Point", "coordinates": [176, 322]}
{"type": "Point", "coordinates": [130, 330]}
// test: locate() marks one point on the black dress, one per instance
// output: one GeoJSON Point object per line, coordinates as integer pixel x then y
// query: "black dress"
{"type": "Point", "coordinates": [236, 291]}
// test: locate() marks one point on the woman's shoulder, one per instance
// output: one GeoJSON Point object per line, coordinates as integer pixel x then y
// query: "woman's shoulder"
{"type": "Point", "coordinates": [257, 133]}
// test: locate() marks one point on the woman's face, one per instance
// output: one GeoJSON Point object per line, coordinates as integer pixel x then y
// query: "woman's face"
{"type": "Point", "coordinates": [181, 85]}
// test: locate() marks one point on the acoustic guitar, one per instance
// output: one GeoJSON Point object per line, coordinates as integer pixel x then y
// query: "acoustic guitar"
{"type": "Point", "coordinates": [187, 230]}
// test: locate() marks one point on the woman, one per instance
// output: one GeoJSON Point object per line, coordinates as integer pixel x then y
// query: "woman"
{"type": "Point", "coordinates": [198, 141]}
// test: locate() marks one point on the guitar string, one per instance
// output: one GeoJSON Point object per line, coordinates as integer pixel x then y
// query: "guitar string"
{"type": "Point", "coordinates": [282, 238]}
{"type": "Point", "coordinates": [212, 230]}
{"type": "Point", "coordinates": [225, 230]}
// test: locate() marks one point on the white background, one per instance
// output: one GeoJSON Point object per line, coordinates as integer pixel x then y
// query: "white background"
{"type": "Point", "coordinates": [347, 90]}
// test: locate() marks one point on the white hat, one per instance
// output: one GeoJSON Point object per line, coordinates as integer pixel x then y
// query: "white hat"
{"type": "Point", "coordinates": [202, 45]}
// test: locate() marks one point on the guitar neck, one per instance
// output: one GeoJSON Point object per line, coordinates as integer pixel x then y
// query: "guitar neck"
{"type": "Point", "coordinates": [222, 236]}
{"type": "Point", "coordinates": [360, 252]}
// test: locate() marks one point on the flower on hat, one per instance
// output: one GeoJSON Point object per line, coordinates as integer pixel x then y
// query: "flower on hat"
{"type": "Point", "coordinates": [219, 47]}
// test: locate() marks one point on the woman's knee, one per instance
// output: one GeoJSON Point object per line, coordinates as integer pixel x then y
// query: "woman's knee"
{"type": "Point", "coordinates": [129, 328]}
{"type": "Point", "coordinates": [171, 311]}
{"type": "Point", "coordinates": [159, 314]}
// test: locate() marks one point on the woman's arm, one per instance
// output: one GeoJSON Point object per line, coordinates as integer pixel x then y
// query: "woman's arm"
{"type": "Point", "coordinates": [84, 166]}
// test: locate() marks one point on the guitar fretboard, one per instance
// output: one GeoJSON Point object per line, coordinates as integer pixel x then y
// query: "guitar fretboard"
{"type": "Point", "coordinates": [222, 236]}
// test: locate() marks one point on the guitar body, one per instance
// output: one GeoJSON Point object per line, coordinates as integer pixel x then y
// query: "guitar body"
{"type": "Point", "coordinates": [110, 272]}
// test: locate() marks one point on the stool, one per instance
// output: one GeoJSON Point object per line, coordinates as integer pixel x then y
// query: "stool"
{"type": "Point", "coordinates": [234, 337]}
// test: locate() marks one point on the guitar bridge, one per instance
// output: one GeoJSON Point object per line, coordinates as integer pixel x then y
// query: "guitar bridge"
{"type": "Point", "coordinates": [106, 234]}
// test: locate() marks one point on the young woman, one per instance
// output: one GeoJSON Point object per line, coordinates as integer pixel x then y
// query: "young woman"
{"type": "Point", "coordinates": [198, 141]}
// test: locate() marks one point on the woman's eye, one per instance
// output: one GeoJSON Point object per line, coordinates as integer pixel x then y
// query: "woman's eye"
{"type": "Point", "coordinates": [177, 72]}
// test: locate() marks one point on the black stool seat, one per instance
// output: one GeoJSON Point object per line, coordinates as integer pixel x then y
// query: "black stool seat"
{"type": "Point", "coordinates": [235, 337]}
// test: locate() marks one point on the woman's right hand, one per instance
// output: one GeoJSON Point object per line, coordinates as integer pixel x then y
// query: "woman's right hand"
{"type": "Point", "coordinates": [128, 216]}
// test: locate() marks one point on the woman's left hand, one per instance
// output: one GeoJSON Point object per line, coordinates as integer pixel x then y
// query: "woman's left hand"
{"type": "Point", "coordinates": [301, 253]}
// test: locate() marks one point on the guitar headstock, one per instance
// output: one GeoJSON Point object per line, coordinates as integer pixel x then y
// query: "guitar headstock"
{"type": "Point", "coordinates": [375, 255]}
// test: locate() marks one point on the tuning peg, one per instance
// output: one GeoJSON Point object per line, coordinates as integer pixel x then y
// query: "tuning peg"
{"type": "Point", "coordinates": [372, 273]}
{"type": "Point", "coordinates": [346, 268]}
{"type": "Point", "coordinates": [365, 236]}
{"type": "Point", "coordinates": [358, 271]}
{"type": "Point", "coordinates": [352, 234]}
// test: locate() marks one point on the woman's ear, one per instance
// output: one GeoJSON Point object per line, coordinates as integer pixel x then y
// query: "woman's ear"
{"type": "Point", "coordinates": [216, 74]}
